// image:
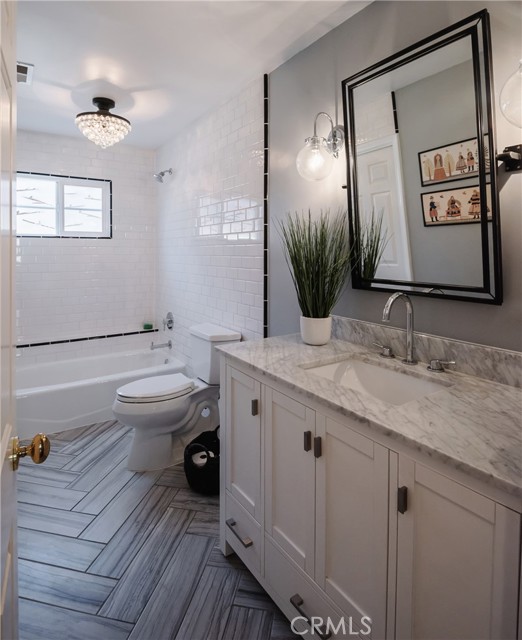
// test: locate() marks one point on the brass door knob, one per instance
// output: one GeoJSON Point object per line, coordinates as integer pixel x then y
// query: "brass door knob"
{"type": "Point", "coordinates": [38, 450]}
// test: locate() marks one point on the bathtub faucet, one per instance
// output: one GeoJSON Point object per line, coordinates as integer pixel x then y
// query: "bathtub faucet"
{"type": "Point", "coordinates": [160, 346]}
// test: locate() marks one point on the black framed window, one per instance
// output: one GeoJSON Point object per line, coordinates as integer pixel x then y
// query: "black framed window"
{"type": "Point", "coordinates": [54, 206]}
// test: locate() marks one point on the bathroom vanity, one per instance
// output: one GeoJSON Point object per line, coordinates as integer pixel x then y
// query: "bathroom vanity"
{"type": "Point", "coordinates": [350, 506]}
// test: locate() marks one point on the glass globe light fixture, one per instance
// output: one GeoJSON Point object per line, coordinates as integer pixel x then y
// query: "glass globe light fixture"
{"type": "Point", "coordinates": [315, 160]}
{"type": "Point", "coordinates": [511, 98]}
{"type": "Point", "coordinates": [102, 127]}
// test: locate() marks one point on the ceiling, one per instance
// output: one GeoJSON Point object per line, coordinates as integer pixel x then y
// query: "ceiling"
{"type": "Point", "coordinates": [165, 63]}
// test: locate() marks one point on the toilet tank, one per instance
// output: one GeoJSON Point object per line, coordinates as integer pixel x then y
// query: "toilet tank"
{"type": "Point", "coordinates": [205, 359]}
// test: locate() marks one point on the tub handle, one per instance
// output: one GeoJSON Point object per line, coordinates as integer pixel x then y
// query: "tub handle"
{"type": "Point", "coordinates": [38, 450]}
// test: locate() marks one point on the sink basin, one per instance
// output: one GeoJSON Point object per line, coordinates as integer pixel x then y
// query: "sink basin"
{"type": "Point", "coordinates": [389, 385]}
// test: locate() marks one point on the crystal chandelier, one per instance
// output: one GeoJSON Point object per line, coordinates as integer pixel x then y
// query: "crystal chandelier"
{"type": "Point", "coordinates": [101, 127]}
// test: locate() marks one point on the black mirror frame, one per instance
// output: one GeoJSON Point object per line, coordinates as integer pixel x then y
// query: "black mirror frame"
{"type": "Point", "coordinates": [482, 72]}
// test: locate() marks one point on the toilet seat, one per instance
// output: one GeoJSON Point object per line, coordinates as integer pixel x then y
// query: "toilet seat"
{"type": "Point", "coordinates": [156, 389]}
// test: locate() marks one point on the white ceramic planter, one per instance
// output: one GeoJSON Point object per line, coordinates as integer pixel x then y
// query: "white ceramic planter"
{"type": "Point", "coordinates": [316, 331]}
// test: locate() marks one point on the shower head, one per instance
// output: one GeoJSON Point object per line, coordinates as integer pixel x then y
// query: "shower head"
{"type": "Point", "coordinates": [159, 176]}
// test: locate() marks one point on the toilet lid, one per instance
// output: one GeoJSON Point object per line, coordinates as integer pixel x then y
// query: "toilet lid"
{"type": "Point", "coordinates": [156, 388]}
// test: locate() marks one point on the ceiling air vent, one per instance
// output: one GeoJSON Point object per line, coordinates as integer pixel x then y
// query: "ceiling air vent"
{"type": "Point", "coordinates": [24, 72]}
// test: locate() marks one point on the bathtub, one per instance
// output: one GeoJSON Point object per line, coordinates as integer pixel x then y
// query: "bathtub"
{"type": "Point", "coordinates": [66, 394]}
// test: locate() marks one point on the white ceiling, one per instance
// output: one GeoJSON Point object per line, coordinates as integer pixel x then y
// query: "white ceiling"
{"type": "Point", "coordinates": [165, 63]}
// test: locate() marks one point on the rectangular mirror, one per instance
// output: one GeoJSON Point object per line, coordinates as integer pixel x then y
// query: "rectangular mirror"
{"type": "Point", "coordinates": [421, 158]}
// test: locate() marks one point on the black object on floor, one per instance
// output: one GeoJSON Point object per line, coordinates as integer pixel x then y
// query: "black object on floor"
{"type": "Point", "coordinates": [201, 463]}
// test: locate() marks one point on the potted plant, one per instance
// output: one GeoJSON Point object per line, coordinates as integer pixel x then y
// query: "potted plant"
{"type": "Point", "coordinates": [318, 255]}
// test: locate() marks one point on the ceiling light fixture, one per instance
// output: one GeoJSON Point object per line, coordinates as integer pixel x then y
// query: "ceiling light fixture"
{"type": "Point", "coordinates": [315, 160]}
{"type": "Point", "coordinates": [101, 127]}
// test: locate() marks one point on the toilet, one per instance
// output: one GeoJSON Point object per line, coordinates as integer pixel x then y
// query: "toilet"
{"type": "Point", "coordinates": [166, 412]}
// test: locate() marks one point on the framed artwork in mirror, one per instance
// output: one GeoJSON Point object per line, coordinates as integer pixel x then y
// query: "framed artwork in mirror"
{"type": "Point", "coordinates": [421, 118]}
{"type": "Point", "coordinates": [453, 206]}
{"type": "Point", "coordinates": [453, 161]}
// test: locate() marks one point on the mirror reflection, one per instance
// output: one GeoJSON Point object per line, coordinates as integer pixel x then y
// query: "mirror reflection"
{"type": "Point", "coordinates": [419, 133]}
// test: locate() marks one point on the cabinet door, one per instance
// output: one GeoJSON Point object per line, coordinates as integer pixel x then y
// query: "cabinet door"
{"type": "Point", "coordinates": [458, 558]}
{"type": "Point", "coordinates": [352, 523]}
{"type": "Point", "coordinates": [290, 477]}
{"type": "Point", "coordinates": [243, 440]}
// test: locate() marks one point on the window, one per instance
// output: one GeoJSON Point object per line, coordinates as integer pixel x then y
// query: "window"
{"type": "Point", "coordinates": [63, 206]}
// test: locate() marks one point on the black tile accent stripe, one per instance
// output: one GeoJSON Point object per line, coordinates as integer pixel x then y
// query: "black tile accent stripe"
{"type": "Point", "coordinates": [394, 107]}
{"type": "Point", "coordinates": [265, 201]}
{"type": "Point", "coordinates": [111, 335]}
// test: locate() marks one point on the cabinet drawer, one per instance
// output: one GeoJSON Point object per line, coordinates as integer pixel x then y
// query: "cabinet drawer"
{"type": "Point", "coordinates": [243, 533]}
{"type": "Point", "coordinates": [299, 599]}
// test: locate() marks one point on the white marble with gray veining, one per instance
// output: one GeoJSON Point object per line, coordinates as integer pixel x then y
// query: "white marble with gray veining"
{"type": "Point", "coordinates": [490, 363]}
{"type": "Point", "coordinates": [473, 425]}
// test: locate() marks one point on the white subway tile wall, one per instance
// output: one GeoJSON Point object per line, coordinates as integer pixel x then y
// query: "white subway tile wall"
{"type": "Point", "coordinates": [72, 287]}
{"type": "Point", "coordinates": [210, 222]}
{"type": "Point", "coordinates": [376, 120]}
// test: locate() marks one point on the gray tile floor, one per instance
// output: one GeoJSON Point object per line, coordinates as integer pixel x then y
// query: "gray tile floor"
{"type": "Point", "coordinates": [108, 554]}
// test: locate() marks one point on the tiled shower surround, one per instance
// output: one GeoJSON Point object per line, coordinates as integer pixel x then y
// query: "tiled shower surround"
{"type": "Point", "coordinates": [192, 245]}
{"type": "Point", "coordinates": [72, 287]}
{"type": "Point", "coordinates": [210, 222]}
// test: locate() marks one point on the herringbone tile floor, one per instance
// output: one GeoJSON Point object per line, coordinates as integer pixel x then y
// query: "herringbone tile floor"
{"type": "Point", "coordinates": [109, 554]}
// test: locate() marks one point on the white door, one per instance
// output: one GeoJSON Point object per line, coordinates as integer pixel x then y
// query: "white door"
{"type": "Point", "coordinates": [457, 561]}
{"type": "Point", "coordinates": [380, 190]}
{"type": "Point", "coordinates": [9, 587]}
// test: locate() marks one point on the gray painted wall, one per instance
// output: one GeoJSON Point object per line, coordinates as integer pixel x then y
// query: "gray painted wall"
{"type": "Point", "coordinates": [422, 116]}
{"type": "Point", "coordinates": [311, 82]}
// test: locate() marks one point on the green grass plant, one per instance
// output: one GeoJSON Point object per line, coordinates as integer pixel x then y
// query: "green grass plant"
{"type": "Point", "coordinates": [318, 255]}
{"type": "Point", "coordinates": [371, 245]}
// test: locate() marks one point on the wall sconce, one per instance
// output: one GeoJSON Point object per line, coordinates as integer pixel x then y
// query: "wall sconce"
{"type": "Point", "coordinates": [315, 160]}
{"type": "Point", "coordinates": [511, 109]}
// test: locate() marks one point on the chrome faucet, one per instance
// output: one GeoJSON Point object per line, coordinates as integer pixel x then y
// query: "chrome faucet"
{"type": "Point", "coordinates": [409, 322]}
{"type": "Point", "coordinates": [160, 346]}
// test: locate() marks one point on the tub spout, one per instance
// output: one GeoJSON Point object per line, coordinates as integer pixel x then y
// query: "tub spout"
{"type": "Point", "coordinates": [161, 346]}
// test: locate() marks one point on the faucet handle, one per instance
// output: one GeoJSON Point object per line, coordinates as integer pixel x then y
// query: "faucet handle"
{"type": "Point", "coordinates": [386, 352]}
{"type": "Point", "coordinates": [436, 365]}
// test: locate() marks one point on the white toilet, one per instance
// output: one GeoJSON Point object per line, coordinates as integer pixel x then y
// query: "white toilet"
{"type": "Point", "coordinates": [162, 409]}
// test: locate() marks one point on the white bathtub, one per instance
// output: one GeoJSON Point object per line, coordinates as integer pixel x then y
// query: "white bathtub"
{"type": "Point", "coordinates": [66, 394]}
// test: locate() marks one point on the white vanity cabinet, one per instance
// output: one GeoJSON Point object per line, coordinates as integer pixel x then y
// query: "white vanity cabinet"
{"type": "Point", "coordinates": [336, 526]}
{"type": "Point", "coordinates": [352, 502]}
{"type": "Point", "coordinates": [241, 491]}
{"type": "Point", "coordinates": [457, 560]}
{"type": "Point", "coordinates": [326, 507]}
{"type": "Point", "coordinates": [289, 477]}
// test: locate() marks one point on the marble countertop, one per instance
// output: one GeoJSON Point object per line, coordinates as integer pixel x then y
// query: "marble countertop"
{"type": "Point", "coordinates": [472, 424]}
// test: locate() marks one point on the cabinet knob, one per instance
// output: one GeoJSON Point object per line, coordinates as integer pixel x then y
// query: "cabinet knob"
{"type": "Point", "coordinates": [255, 407]}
